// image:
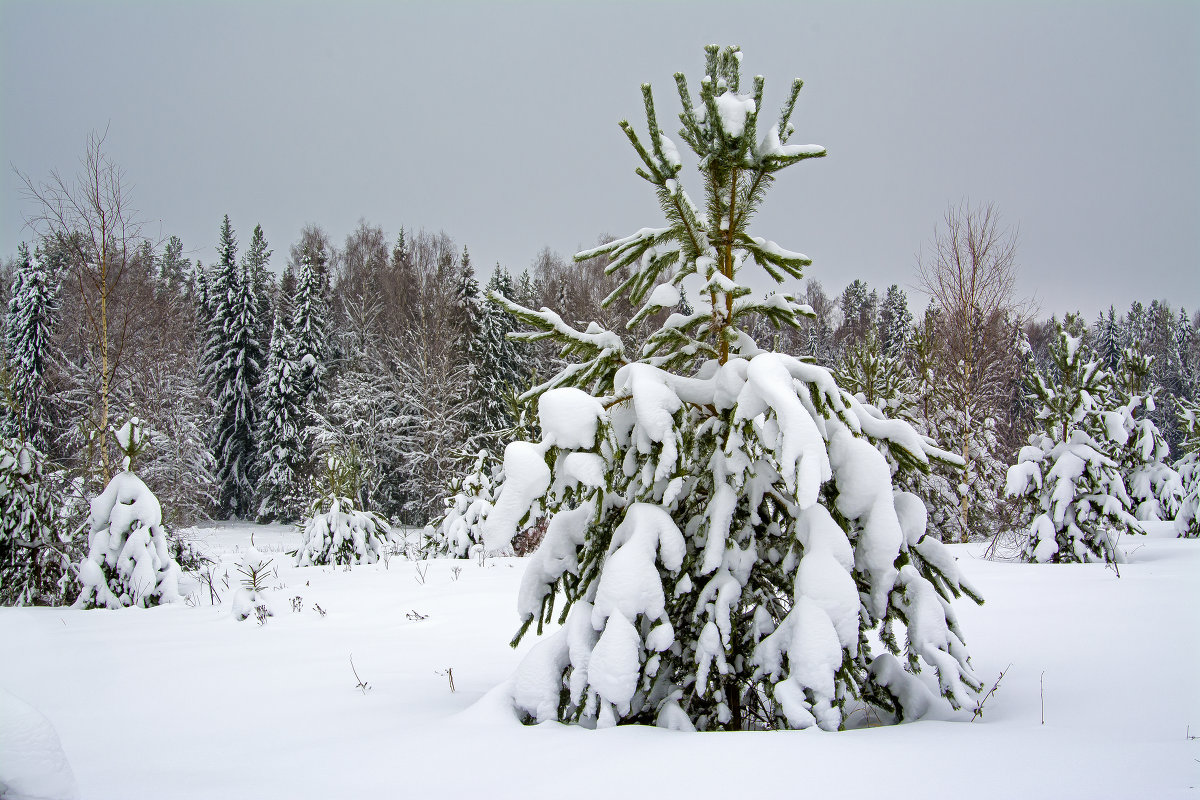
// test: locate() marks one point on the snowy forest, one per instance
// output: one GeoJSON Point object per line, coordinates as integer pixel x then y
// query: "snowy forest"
{"type": "Point", "coordinates": [249, 371]}
{"type": "Point", "coordinates": [739, 500]}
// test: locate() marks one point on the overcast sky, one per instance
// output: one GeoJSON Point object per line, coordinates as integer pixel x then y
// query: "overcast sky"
{"type": "Point", "coordinates": [497, 123]}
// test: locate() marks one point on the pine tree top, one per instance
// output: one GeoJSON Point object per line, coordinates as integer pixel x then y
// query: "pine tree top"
{"type": "Point", "coordinates": [705, 245]}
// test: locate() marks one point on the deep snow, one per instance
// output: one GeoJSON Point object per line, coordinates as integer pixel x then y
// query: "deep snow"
{"type": "Point", "coordinates": [185, 702]}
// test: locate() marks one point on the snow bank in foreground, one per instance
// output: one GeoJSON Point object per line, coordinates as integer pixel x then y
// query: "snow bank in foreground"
{"type": "Point", "coordinates": [184, 680]}
{"type": "Point", "coordinates": [33, 765]}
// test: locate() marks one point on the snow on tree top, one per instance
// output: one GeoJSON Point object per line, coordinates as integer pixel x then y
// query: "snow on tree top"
{"type": "Point", "coordinates": [734, 108]}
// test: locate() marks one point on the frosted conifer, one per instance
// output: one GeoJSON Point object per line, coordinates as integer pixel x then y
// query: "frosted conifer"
{"type": "Point", "coordinates": [28, 345]}
{"type": "Point", "coordinates": [234, 357]}
{"type": "Point", "coordinates": [281, 420]}
{"type": "Point", "coordinates": [895, 323]}
{"type": "Point", "coordinates": [35, 565]}
{"type": "Point", "coordinates": [1187, 522]}
{"type": "Point", "coordinates": [723, 533]}
{"type": "Point", "coordinates": [1152, 484]}
{"type": "Point", "coordinates": [1069, 473]}
{"type": "Point", "coordinates": [458, 533]}
{"type": "Point", "coordinates": [310, 324]}
{"type": "Point", "coordinates": [128, 561]}
{"type": "Point", "coordinates": [341, 534]}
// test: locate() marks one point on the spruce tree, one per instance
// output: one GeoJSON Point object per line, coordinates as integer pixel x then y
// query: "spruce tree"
{"type": "Point", "coordinates": [458, 532]}
{"type": "Point", "coordinates": [35, 555]}
{"type": "Point", "coordinates": [1152, 484]}
{"type": "Point", "coordinates": [281, 415]}
{"type": "Point", "coordinates": [895, 323]}
{"type": "Point", "coordinates": [341, 534]}
{"type": "Point", "coordinates": [128, 562]}
{"type": "Point", "coordinates": [234, 357]}
{"type": "Point", "coordinates": [723, 534]}
{"type": "Point", "coordinates": [33, 307]}
{"type": "Point", "coordinates": [1069, 474]}
{"type": "Point", "coordinates": [310, 313]}
{"type": "Point", "coordinates": [1187, 522]}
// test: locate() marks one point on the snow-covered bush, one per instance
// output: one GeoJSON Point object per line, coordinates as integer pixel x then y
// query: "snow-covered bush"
{"type": "Point", "coordinates": [1187, 523]}
{"type": "Point", "coordinates": [1069, 474]}
{"type": "Point", "coordinates": [128, 561]}
{"type": "Point", "coordinates": [341, 534]}
{"type": "Point", "coordinates": [723, 534]}
{"type": "Point", "coordinates": [35, 554]}
{"type": "Point", "coordinates": [252, 598]}
{"type": "Point", "coordinates": [459, 532]}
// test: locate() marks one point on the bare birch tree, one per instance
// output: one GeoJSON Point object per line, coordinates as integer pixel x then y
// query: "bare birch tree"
{"type": "Point", "coordinates": [970, 274]}
{"type": "Point", "coordinates": [89, 215]}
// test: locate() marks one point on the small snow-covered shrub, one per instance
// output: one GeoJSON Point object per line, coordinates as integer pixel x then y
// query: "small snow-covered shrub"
{"type": "Point", "coordinates": [724, 536]}
{"type": "Point", "coordinates": [252, 597]}
{"type": "Point", "coordinates": [1069, 474]}
{"type": "Point", "coordinates": [129, 561]}
{"type": "Point", "coordinates": [342, 534]}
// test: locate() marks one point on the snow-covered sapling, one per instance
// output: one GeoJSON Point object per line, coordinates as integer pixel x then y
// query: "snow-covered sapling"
{"type": "Point", "coordinates": [1069, 474]}
{"type": "Point", "coordinates": [251, 597]}
{"type": "Point", "coordinates": [459, 531]}
{"type": "Point", "coordinates": [128, 562]}
{"type": "Point", "coordinates": [723, 535]}
{"type": "Point", "coordinates": [341, 534]}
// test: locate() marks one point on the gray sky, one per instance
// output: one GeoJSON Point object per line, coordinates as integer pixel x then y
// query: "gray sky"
{"type": "Point", "coordinates": [498, 124]}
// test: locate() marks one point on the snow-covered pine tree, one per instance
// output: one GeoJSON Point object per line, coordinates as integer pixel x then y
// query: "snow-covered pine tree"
{"type": "Point", "coordinates": [341, 534]}
{"type": "Point", "coordinates": [1187, 521]}
{"type": "Point", "coordinates": [1069, 473]}
{"type": "Point", "coordinates": [503, 367]}
{"type": "Point", "coordinates": [28, 349]}
{"type": "Point", "coordinates": [458, 532]}
{"type": "Point", "coordinates": [1105, 339]}
{"type": "Point", "coordinates": [895, 323]}
{"type": "Point", "coordinates": [128, 561]}
{"type": "Point", "coordinates": [310, 324]}
{"type": "Point", "coordinates": [1152, 484]}
{"type": "Point", "coordinates": [281, 420]}
{"type": "Point", "coordinates": [723, 533]}
{"type": "Point", "coordinates": [35, 560]}
{"type": "Point", "coordinates": [876, 378]}
{"type": "Point", "coordinates": [234, 358]}
{"type": "Point", "coordinates": [257, 274]}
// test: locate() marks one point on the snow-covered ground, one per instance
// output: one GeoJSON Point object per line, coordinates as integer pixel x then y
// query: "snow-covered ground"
{"type": "Point", "coordinates": [185, 702]}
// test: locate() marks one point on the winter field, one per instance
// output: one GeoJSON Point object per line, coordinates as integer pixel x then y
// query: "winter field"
{"type": "Point", "coordinates": [183, 701]}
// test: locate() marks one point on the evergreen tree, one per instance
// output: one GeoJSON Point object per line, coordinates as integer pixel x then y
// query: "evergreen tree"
{"type": "Point", "coordinates": [257, 275]}
{"type": "Point", "coordinates": [35, 558]}
{"type": "Point", "coordinates": [1106, 340]}
{"type": "Point", "coordinates": [234, 358]}
{"type": "Point", "coordinates": [128, 561]}
{"type": "Point", "coordinates": [1069, 473]}
{"type": "Point", "coordinates": [876, 378]}
{"type": "Point", "coordinates": [280, 444]}
{"type": "Point", "coordinates": [895, 323]}
{"type": "Point", "coordinates": [722, 530]}
{"type": "Point", "coordinates": [1151, 483]}
{"type": "Point", "coordinates": [503, 367]}
{"type": "Point", "coordinates": [341, 534]}
{"type": "Point", "coordinates": [29, 346]}
{"type": "Point", "coordinates": [1187, 522]}
{"type": "Point", "coordinates": [310, 324]}
{"type": "Point", "coordinates": [458, 532]}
